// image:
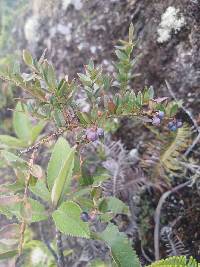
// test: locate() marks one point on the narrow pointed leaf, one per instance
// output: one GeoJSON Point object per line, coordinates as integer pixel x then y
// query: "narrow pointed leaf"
{"type": "Point", "coordinates": [21, 123]}
{"type": "Point", "coordinates": [59, 170]}
{"type": "Point", "coordinates": [12, 142]}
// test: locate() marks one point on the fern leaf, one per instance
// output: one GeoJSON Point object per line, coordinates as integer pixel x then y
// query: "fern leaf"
{"type": "Point", "coordinates": [176, 261]}
{"type": "Point", "coordinates": [173, 152]}
{"type": "Point", "coordinates": [163, 156]}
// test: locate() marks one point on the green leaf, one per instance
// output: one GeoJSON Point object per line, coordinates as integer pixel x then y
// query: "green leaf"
{"type": "Point", "coordinates": [8, 254]}
{"type": "Point", "coordinates": [36, 130]}
{"type": "Point", "coordinates": [37, 212]}
{"type": "Point", "coordinates": [122, 252]}
{"type": "Point", "coordinates": [99, 179]}
{"type": "Point", "coordinates": [21, 123]}
{"type": "Point", "coordinates": [59, 171]}
{"type": "Point", "coordinates": [41, 190]}
{"type": "Point", "coordinates": [51, 77]}
{"type": "Point", "coordinates": [151, 92]}
{"type": "Point", "coordinates": [11, 141]}
{"type": "Point", "coordinates": [84, 118]}
{"type": "Point", "coordinates": [176, 261]}
{"type": "Point", "coordinates": [98, 263]}
{"type": "Point", "coordinates": [13, 159]}
{"type": "Point", "coordinates": [174, 110]}
{"type": "Point", "coordinates": [114, 205]}
{"type": "Point", "coordinates": [59, 118]}
{"type": "Point", "coordinates": [67, 220]}
{"type": "Point", "coordinates": [5, 211]}
{"type": "Point", "coordinates": [106, 217]}
{"type": "Point", "coordinates": [139, 99]}
{"type": "Point", "coordinates": [27, 58]}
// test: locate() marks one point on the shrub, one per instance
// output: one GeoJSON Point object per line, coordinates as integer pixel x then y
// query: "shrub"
{"type": "Point", "coordinates": [62, 192]}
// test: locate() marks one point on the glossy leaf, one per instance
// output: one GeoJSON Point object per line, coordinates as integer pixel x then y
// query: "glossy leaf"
{"type": "Point", "coordinates": [60, 168]}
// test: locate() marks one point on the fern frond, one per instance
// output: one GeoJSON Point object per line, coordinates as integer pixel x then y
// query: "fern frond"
{"type": "Point", "coordinates": [163, 156]}
{"type": "Point", "coordinates": [176, 261]}
{"type": "Point", "coordinates": [173, 243]}
{"type": "Point", "coordinates": [169, 159]}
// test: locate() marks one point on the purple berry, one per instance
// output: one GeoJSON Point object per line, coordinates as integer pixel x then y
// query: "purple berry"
{"type": "Point", "coordinates": [161, 114]}
{"type": "Point", "coordinates": [173, 128]}
{"type": "Point", "coordinates": [91, 135]}
{"type": "Point", "coordinates": [85, 217]}
{"type": "Point", "coordinates": [171, 124]}
{"type": "Point", "coordinates": [156, 121]}
{"type": "Point", "coordinates": [100, 132]}
{"type": "Point", "coordinates": [179, 124]}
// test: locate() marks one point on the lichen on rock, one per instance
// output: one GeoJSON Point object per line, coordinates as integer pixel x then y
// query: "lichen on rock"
{"type": "Point", "coordinates": [171, 20]}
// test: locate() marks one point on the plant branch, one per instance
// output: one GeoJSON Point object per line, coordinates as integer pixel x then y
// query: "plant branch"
{"type": "Point", "coordinates": [25, 202]}
{"type": "Point", "coordinates": [42, 141]}
{"type": "Point", "coordinates": [61, 260]}
{"type": "Point", "coordinates": [158, 213]}
{"type": "Point", "coordinates": [42, 236]}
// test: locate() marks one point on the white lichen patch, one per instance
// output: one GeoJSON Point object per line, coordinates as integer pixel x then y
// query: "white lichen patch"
{"type": "Point", "coordinates": [171, 20]}
{"type": "Point", "coordinates": [76, 3]}
{"type": "Point", "coordinates": [31, 28]}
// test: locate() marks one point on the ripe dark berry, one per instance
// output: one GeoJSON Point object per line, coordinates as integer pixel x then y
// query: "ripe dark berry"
{"type": "Point", "coordinates": [100, 132]}
{"type": "Point", "coordinates": [91, 135]}
{"type": "Point", "coordinates": [179, 124]}
{"type": "Point", "coordinates": [156, 121]}
{"type": "Point", "coordinates": [85, 217]}
{"type": "Point", "coordinates": [173, 128]}
{"type": "Point", "coordinates": [161, 114]}
{"type": "Point", "coordinates": [171, 124]}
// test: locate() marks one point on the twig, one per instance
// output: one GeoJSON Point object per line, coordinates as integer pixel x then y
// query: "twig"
{"type": "Point", "coordinates": [42, 236]}
{"type": "Point", "coordinates": [145, 255]}
{"type": "Point", "coordinates": [157, 216]}
{"type": "Point", "coordinates": [25, 202]}
{"type": "Point", "coordinates": [61, 260]}
{"type": "Point", "coordinates": [42, 141]}
{"type": "Point", "coordinates": [197, 139]}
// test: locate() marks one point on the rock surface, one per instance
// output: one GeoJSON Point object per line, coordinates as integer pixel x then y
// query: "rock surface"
{"type": "Point", "coordinates": [74, 31]}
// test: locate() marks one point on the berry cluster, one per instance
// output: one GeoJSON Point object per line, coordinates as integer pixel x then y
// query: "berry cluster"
{"type": "Point", "coordinates": [86, 217]}
{"type": "Point", "coordinates": [156, 120]}
{"type": "Point", "coordinates": [173, 125]}
{"type": "Point", "coordinates": [93, 134]}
